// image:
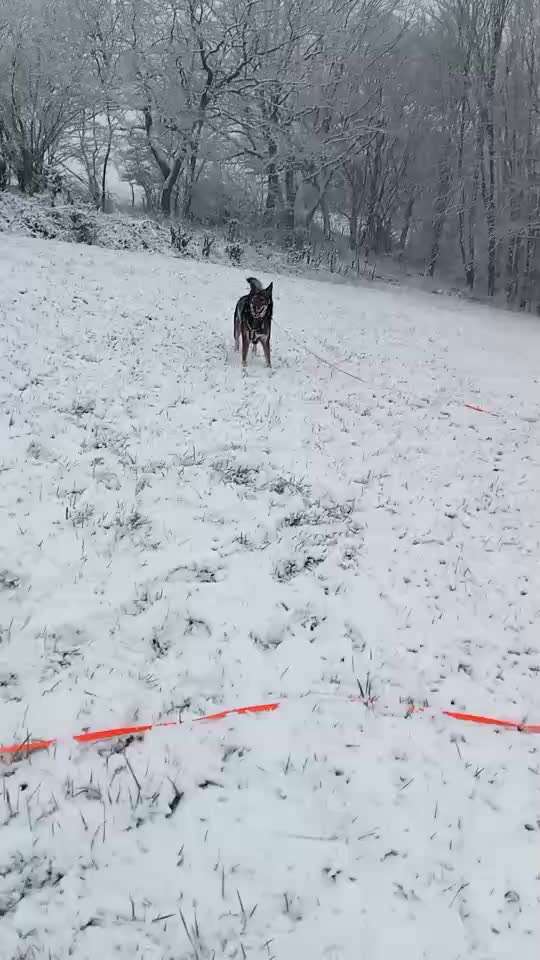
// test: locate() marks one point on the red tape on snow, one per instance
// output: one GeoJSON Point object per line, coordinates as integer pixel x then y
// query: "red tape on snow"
{"type": "Point", "coordinates": [493, 721]}
{"type": "Point", "coordinates": [474, 406]}
{"type": "Point", "coordinates": [112, 733]}
{"type": "Point", "coordinates": [256, 708]}
{"type": "Point", "coordinates": [347, 373]}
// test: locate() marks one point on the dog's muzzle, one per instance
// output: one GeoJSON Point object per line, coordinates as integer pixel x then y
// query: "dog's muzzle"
{"type": "Point", "coordinates": [258, 314]}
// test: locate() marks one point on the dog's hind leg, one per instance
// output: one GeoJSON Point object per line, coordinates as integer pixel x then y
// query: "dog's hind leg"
{"type": "Point", "coordinates": [254, 347]}
{"type": "Point", "coordinates": [236, 330]}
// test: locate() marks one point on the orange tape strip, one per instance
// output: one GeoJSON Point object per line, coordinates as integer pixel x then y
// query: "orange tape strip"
{"type": "Point", "coordinates": [94, 736]}
{"type": "Point", "coordinates": [29, 746]}
{"type": "Point", "coordinates": [256, 708]}
{"type": "Point", "coordinates": [473, 406]}
{"type": "Point", "coordinates": [493, 721]}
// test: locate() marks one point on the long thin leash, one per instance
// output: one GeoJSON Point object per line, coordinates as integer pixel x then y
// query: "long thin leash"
{"type": "Point", "coordinates": [354, 376]}
{"type": "Point", "coordinates": [329, 363]}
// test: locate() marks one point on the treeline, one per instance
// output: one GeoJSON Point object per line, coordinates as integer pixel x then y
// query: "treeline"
{"type": "Point", "coordinates": [413, 131]}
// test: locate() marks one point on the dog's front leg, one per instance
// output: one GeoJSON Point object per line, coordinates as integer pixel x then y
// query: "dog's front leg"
{"type": "Point", "coordinates": [266, 348]}
{"type": "Point", "coordinates": [245, 347]}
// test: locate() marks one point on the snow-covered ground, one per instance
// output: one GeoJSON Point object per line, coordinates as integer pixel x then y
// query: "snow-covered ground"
{"type": "Point", "coordinates": [176, 537]}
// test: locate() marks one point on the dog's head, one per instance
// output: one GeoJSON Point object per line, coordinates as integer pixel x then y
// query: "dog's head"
{"type": "Point", "coordinates": [260, 302]}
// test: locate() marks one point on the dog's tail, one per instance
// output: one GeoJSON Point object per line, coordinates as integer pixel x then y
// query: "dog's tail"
{"type": "Point", "coordinates": [254, 284]}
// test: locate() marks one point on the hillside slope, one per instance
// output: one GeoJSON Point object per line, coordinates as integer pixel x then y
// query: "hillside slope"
{"type": "Point", "coordinates": [178, 538]}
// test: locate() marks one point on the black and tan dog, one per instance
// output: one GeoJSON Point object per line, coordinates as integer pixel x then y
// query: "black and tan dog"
{"type": "Point", "coordinates": [253, 319]}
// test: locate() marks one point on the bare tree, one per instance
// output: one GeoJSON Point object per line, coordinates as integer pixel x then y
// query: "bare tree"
{"type": "Point", "coordinates": [101, 27]}
{"type": "Point", "coordinates": [39, 88]}
{"type": "Point", "coordinates": [420, 130]}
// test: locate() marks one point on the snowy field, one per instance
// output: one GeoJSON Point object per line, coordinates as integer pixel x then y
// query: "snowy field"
{"type": "Point", "coordinates": [177, 538]}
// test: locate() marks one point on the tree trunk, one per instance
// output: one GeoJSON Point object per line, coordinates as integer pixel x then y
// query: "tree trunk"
{"type": "Point", "coordinates": [194, 149]}
{"type": "Point", "coordinates": [165, 198]}
{"type": "Point", "coordinates": [273, 196]}
{"type": "Point", "coordinates": [170, 171]}
{"type": "Point", "coordinates": [189, 185]}
{"type": "Point", "coordinates": [532, 257]}
{"type": "Point", "coordinates": [440, 213]}
{"type": "Point", "coordinates": [470, 263]}
{"type": "Point", "coordinates": [407, 217]}
{"type": "Point", "coordinates": [290, 197]}
{"type": "Point", "coordinates": [327, 225]}
{"type": "Point", "coordinates": [531, 275]}
{"type": "Point", "coordinates": [499, 15]}
{"type": "Point", "coordinates": [492, 249]}
{"type": "Point", "coordinates": [467, 255]}
{"type": "Point", "coordinates": [353, 229]}
{"type": "Point", "coordinates": [169, 185]}
{"type": "Point", "coordinates": [374, 164]}
{"type": "Point", "coordinates": [106, 164]}
{"type": "Point", "coordinates": [464, 110]}
{"type": "Point", "coordinates": [321, 187]}
{"type": "Point", "coordinates": [512, 267]}
{"type": "Point", "coordinates": [273, 192]}
{"type": "Point", "coordinates": [95, 191]}
{"type": "Point", "coordinates": [3, 174]}
{"type": "Point", "coordinates": [26, 174]}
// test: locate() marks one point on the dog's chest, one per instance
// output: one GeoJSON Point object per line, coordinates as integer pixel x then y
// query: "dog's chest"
{"type": "Point", "coordinates": [258, 325]}
{"type": "Point", "coordinates": [257, 336]}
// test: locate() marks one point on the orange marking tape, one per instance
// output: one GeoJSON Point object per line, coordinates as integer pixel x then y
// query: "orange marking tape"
{"type": "Point", "coordinates": [474, 406]}
{"type": "Point", "coordinates": [92, 736]}
{"type": "Point", "coordinates": [493, 721]}
{"type": "Point", "coordinates": [29, 746]}
{"type": "Point", "coordinates": [256, 708]}
{"type": "Point", "coordinates": [111, 733]}
{"type": "Point", "coordinates": [95, 736]}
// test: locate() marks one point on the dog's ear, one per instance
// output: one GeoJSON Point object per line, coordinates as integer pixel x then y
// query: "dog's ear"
{"type": "Point", "coordinates": [269, 290]}
{"type": "Point", "coordinates": [254, 285]}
